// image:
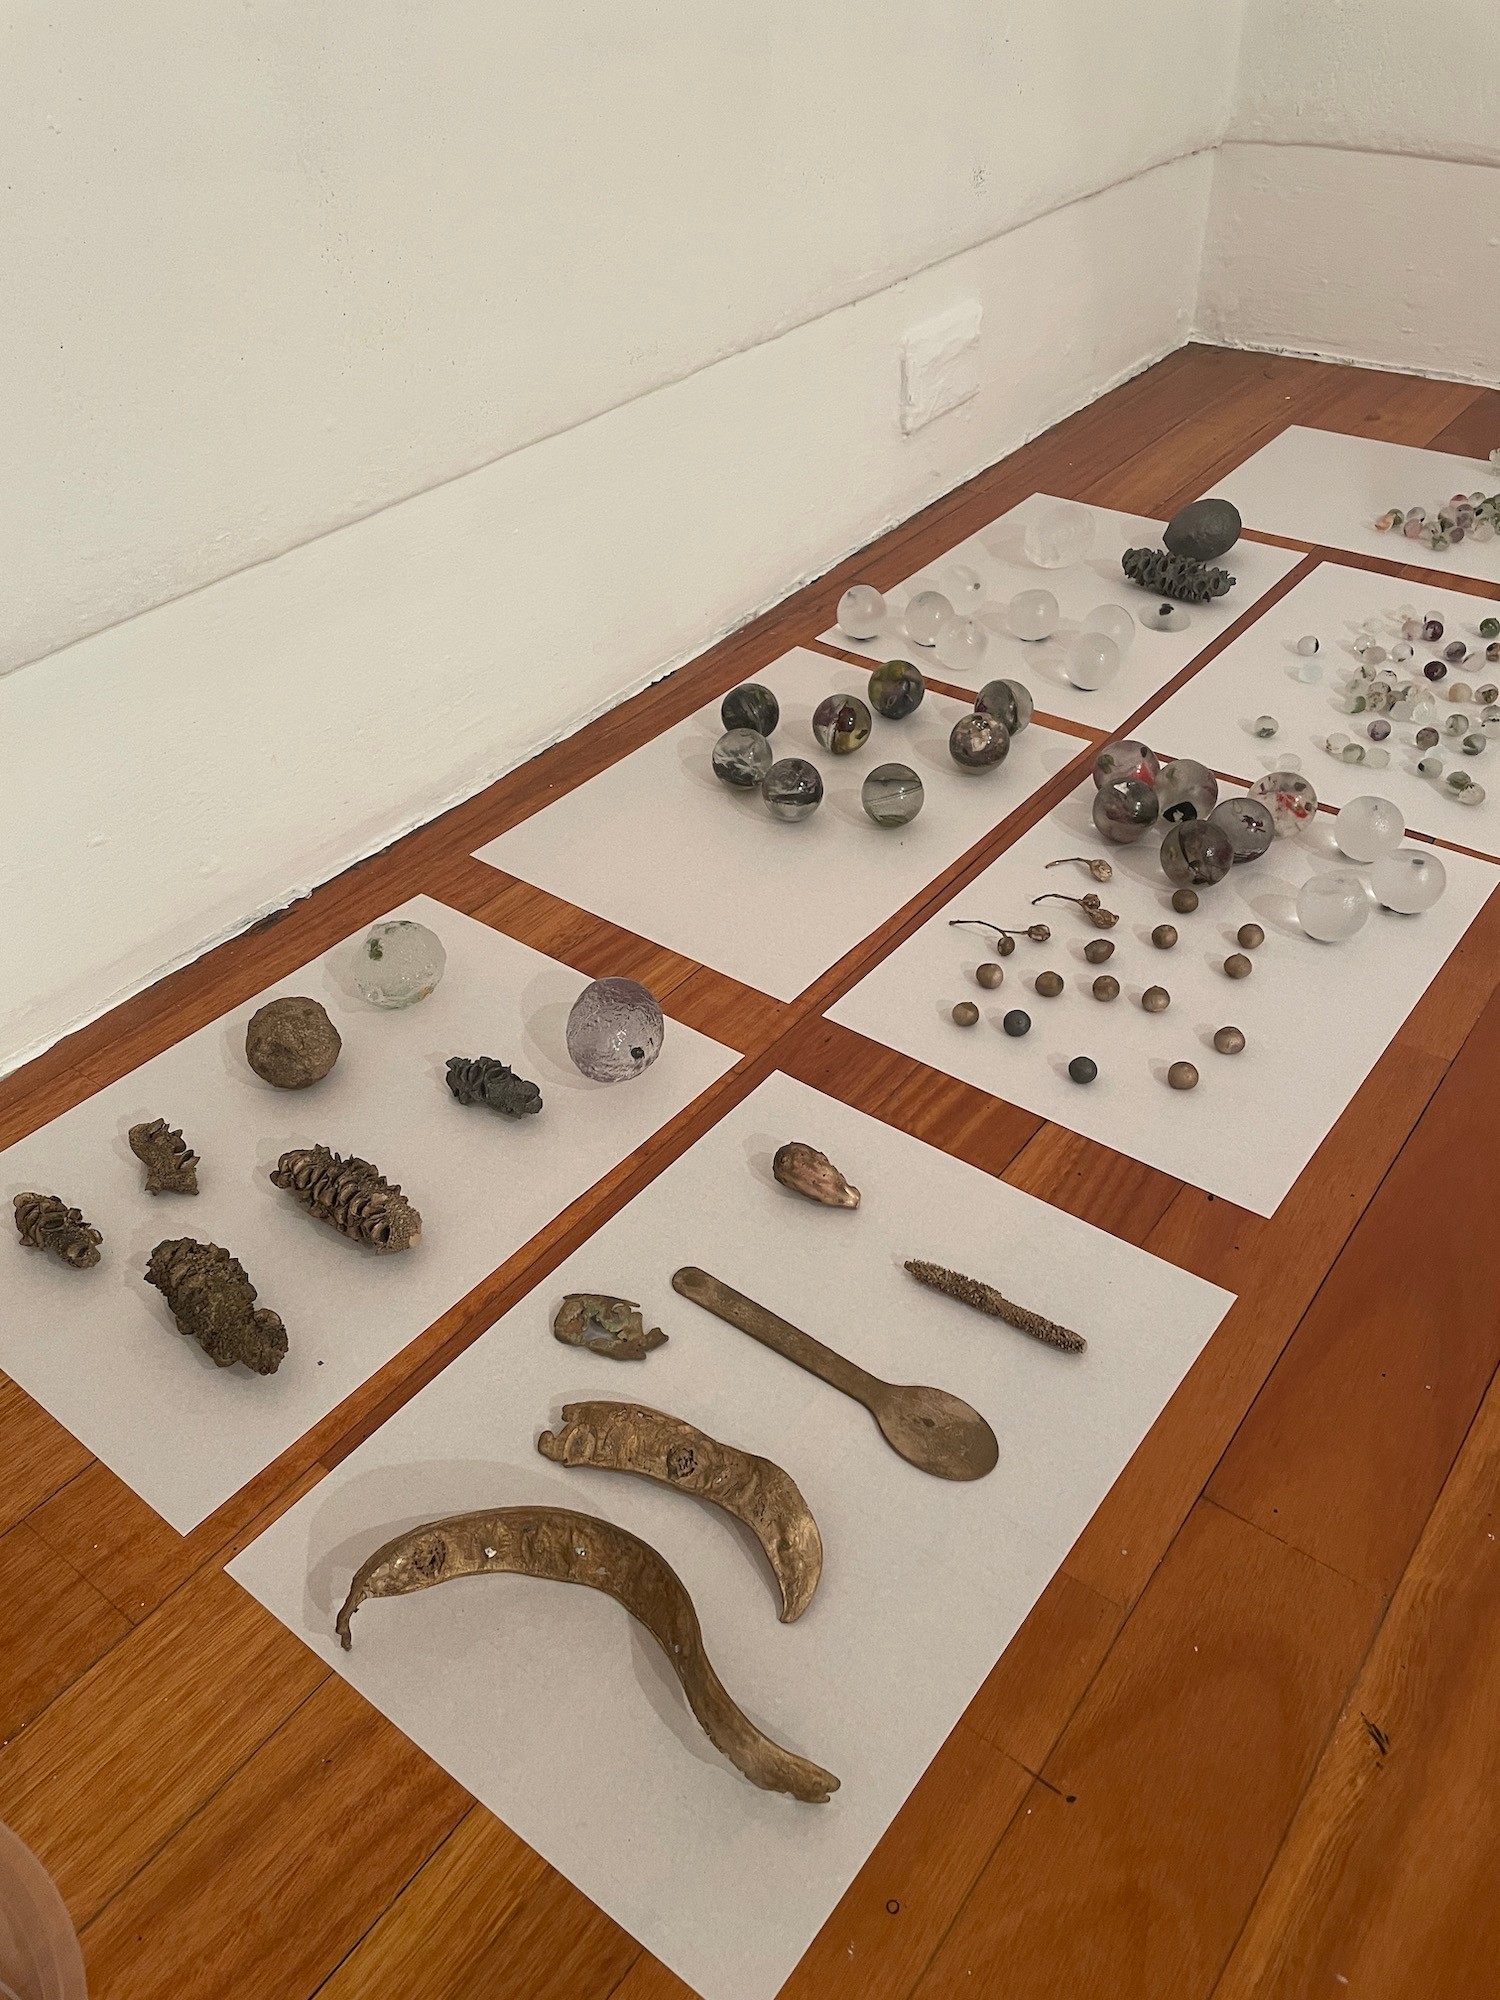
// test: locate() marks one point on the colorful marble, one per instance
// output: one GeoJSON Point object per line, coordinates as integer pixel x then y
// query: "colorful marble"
{"type": "Point", "coordinates": [896, 690]}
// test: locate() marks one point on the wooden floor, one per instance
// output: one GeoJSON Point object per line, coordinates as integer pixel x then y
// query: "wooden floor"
{"type": "Point", "coordinates": [1248, 1742]}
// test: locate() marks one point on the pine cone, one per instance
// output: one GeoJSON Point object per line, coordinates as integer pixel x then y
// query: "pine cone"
{"type": "Point", "coordinates": [351, 1195]}
{"type": "Point", "coordinates": [487, 1080]}
{"type": "Point", "coordinates": [1167, 575]}
{"type": "Point", "coordinates": [45, 1222]}
{"type": "Point", "coordinates": [213, 1302]}
{"type": "Point", "coordinates": [171, 1164]}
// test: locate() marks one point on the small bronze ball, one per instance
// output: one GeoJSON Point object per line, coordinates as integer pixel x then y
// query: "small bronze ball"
{"type": "Point", "coordinates": [990, 975]}
{"type": "Point", "coordinates": [1182, 1076]}
{"type": "Point", "coordinates": [1184, 901]}
{"type": "Point", "coordinates": [1250, 935]}
{"type": "Point", "coordinates": [1164, 936]}
{"type": "Point", "coordinates": [1156, 999]}
{"type": "Point", "coordinates": [966, 1013]}
{"type": "Point", "coordinates": [1048, 984]}
{"type": "Point", "coordinates": [1106, 988]}
{"type": "Point", "coordinates": [1238, 966]}
{"type": "Point", "coordinates": [1006, 946]}
{"type": "Point", "coordinates": [1228, 1041]}
{"type": "Point", "coordinates": [1099, 949]}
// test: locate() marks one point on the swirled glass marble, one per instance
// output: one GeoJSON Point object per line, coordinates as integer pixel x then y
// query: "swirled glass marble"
{"type": "Point", "coordinates": [792, 789]}
{"type": "Point", "coordinates": [1248, 823]}
{"type": "Point", "coordinates": [742, 758]}
{"type": "Point", "coordinates": [1196, 851]}
{"type": "Point", "coordinates": [896, 689]}
{"type": "Point", "coordinates": [841, 723]}
{"type": "Point", "coordinates": [978, 742]}
{"type": "Point", "coordinates": [892, 795]}
{"type": "Point", "coordinates": [1008, 702]}
{"type": "Point", "coordinates": [1124, 809]}
{"type": "Point", "coordinates": [1291, 798]}
{"type": "Point", "coordinates": [615, 1030]}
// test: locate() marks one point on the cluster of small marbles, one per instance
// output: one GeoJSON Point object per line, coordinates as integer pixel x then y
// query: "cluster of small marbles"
{"type": "Point", "coordinates": [1472, 516]}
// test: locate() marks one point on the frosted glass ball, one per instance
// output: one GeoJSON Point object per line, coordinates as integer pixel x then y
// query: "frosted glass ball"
{"type": "Point", "coordinates": [1196, 851]}
{"type": "Point", "coordinates": [614, 1031]}
{"type": "Point", "coordinates": [1333, 906]}
{"type": "Point", "coordinates": [1114, 621]}
{"type": "Point", "coordinates": [1290, 797]}
{"type": "Point", "coordinates": [1126, 758]}
{"type": "Point", "coordinates": [1248, 823]}
{"type": "Point", "coordinates": [1093, 661]}
{"type": "Point", "coordinates": [1008, 702]}
{"type": "Point", "coordinates": [1032, 615]}
{"type": "Point", "coordinates": [1165, 617]}
{"type": "Point", "coordinates": [1124, 809]}
{"type": "Point", "coordinates": [1309, 671]}
{"type": "Point", "coordinates": [792, 789]}
{"type": "Point", "coordinates": [861, 611]}
{"type": "Point", "coordinates": [892, 795]}
{"type": "Point", "coordinates": [1060, 534]}
{"type": "Point", "coordinates": [965, 587]}
{"type": "Point", "coordinates": [399, 964]}
{"type": "Point", "coordinates": [1408, 880]}
{"type": "Point", "coordinates": [963, 642]}
{"type": "Point", "coordinates": [742, 758]}
{"type": "Point", "coordinates": [926, 615]}
{"type": "Point", "coordinates": [1367, 828]}
{"type": "Point", "coordinates": [1186, 789]}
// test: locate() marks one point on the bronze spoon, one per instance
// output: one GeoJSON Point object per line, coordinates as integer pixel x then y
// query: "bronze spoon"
{"type": "Point", "coordinates": [932, 1430]}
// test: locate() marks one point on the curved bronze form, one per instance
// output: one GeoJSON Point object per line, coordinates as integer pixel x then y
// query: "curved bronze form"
{"type": "Point", "coordinates": [554, 1542]}
{"type": "Point", "coordinates": [605, 1325]}
{"type": "Point", "coordinates": [629, 1437]}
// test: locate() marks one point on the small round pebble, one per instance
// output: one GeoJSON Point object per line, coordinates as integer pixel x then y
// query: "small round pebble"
{"type": "Point", "coordinates": [1228, 1041]}
{"type": "Point", "coordinates": [1048, 984]}
{"type": "Point", "coordinates": [1164, 936]}
{"type": "Point", "coordinates": [1237, 965]}
{"type": "Point", "coordinates": [1182, 1076]}
{"type": "Point", "coordinates": [1156, 999]}
{"type": "Point", "coordinates": [1307, 645]}
{"type": "Point", "coordinates": [1016, 1023]}
{"type": "Point", "coordinates": [966, 1013]}
{"type": "Point", "coordinates": [1106, 987]}
{"type": "Point", "coordinates": [1099, 949]}
{"type": "Point", "coordinates": [1250, 935]}
{"type": "Point", "coordinates": [990, 975]}
{"type": "Point", "coordinates": [1082, 1070]}
{"type": "Point", "coordinates": [1184, 901]}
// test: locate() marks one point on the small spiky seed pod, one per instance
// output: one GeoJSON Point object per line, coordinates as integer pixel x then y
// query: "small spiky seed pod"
{"type": "Point", "coordinates": [984, 1298]}
{"type": "Point", "coordinates": [487, 1080]}
{"type": "Point", "coordinates": [1167, 575]}
{"type": "Point", "coordinates": [171, 1164]}
{"type": "Point", "coordinates": [350, 1195]}
{"type": "Point", "coordinates": [213, 1302]}
{"type": "Point", "coordinates": [45, 1222]}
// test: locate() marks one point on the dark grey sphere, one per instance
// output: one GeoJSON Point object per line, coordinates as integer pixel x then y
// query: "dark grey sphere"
{"type": "Point", "coordinates": [751, 707]}
{"type": "Point", "coordinates": [742, 758]}
{"type": "Point", "coordinates": [1204, 530]}
{"type": "Point", "coordinates": [978, 742]}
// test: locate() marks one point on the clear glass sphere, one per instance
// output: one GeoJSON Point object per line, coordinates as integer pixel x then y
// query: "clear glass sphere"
{"type": "Point", "coordinates": [926, 615]}
{"type": "Point", "coordinates": [1060, 534]}
{"type": "Point", "coordinates": [1307, 645]}
{"type": "Point", "coordinates": [1126, 758]}
{"type": "Point", "coordinates": [1114, 621]}
{"type": "Point", "coordinates": [1186, 789]}
{"type": "Point", "coordinates": [963, 642]}
{"type": "Point", "coordinates": [400, 963]}
{"type": "Point", "coordinates": [1368, 827]}
{"type": "Point", "coordinates": [1333, 906]}
{"type": "Point", "coordinates": [1290, 797]}
{"type": "Point", "coordinates": [861, 611]}
{"type": "Point", "coordinates": [1032, 615]}
{"type": "Point", "coordinates": [1248, 823]}
{"type": "Point", "coordinates": [1124, 809]}
{"type": "Point", "coordinates": [742, 758]}
{"type": "Point", "coordinates": [615, 1030]}
{"type": "Point", "coordinates": [1092, 661]}
{"type": "Point", "coordinates": [892, 795]}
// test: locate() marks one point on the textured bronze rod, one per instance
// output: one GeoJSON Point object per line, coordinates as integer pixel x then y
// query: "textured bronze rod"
{"type": "Point", "coordinates": [984, 1298]}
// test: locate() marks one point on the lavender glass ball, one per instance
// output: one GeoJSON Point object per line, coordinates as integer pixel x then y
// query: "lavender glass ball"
{"type": "Point", "coordinates": [1196, 851]}
{"type": "Point", "coordinates": [1124, 809]}
{"type": "Point", "coordinates": [614, 1031]}
{"type": "Point", "coordinates": [1186, 789]}
{"type": "Point", "coordinates": [1126, 758]}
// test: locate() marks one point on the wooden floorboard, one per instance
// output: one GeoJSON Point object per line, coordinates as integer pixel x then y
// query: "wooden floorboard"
{"type": "Point", "coordinates": [1246, 1744]}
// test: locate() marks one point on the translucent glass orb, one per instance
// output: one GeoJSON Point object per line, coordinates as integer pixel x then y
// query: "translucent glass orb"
{"type": "Point", "coordinates": [400, 962]}
{"type": "Point", "coordinates": [1165, 616]}
{"type": "Point", "coordinates": [1124, 809]}
{"type": "Point", "coordinates": [1126, 758]}
{"type": "Point", "coordinates": [861, 611]}
{"type": "Point", "coordinates": [1248, 823]}
{"type": "Point", "coordinates": [1032, 615]}
{"type": "Point", "coordinates": [1367, 828]}
{"type": "Point", "coordinates": [1430, 765]}
{"type": "Point", "coordinates": [614, 1030]}
{"type": "Point", "coordinates": [892, 795]}
{"type": "Point", "coordinates": [1114, 621]}
{"type": "Point", "coordinates": [1008, 702]}
{"type": "Point", "coordinates": [792, 789]}
{"type": "Point", "coordinates": [1196, 851]}
{"type": "Point", "coordinates": [1333, 906]}
{"type": "Point", "coordinates": [1186, 789]}
{"type": "Point", "coordinates": [1265, 725]}
{"type": "Point", "coordinates": [978, 742]}
{"type": "Point", "coordinates": [751, 707]}
{"type": "Point", "coordinates": [1060, 534]}
{"type": "Point", "coordinates": [926, 615]}
{"type": "Point", "coordinates": [896, 689]}
{"type": "Point", "coordinates": [1290, 797]}
{"type": "Point", "coordinates": [965, 587]}
{"type": "Point", "coordinates": [841, 723]}
{"type": "Point", "coordinates": [1093, 660]}
{"type": "Point", "coordinates": [742, 758]}
{"type": "Point", "coordinates": [1377, 757]}
{"type": "Point", "coordinates": [962, 642]}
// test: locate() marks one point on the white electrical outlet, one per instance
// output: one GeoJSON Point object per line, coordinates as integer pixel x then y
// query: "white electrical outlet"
{"type": "Point", "coordinates": [940, 364]}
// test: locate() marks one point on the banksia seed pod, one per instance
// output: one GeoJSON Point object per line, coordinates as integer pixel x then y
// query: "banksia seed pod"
{"type": "Point", "coordinates": [350, 1195]}
{"type": "Point", "coordinates": [171, 1164]}
{"type": "Point", "coordinates": [487, 1080]}
{"type": "Point", "coordinates": [1167, 575]}
{"type": "Point", "coordinates": [45, 1222]}
{"type": "Point", "coordinates": [213, 1302]}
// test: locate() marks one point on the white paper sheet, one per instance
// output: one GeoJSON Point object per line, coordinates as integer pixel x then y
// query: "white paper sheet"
{"type": "Point", "coordinates": [524, 1689]}
{"type": "Point", "coordinates": [100, 1350]}
{"type": "Point", "coordinates": [997, 555]}
{"type": "Point", "coordinates": [1316, 1017]}
{"type": "Point", "coordinates": [660, 845]}
{"type": "Point", "coordinates": [1325, 488]}
{"type": "Point", "coordinates": [1216, 711]}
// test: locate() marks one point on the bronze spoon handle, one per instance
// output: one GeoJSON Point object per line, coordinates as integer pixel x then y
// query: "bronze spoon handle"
{"type": "Point", "coordinates": [779, 1335]}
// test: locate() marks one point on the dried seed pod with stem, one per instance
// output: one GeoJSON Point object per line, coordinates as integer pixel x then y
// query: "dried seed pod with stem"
{"type": "Point", "coordinates": [1097, 866]}
{"type": "Point", "coordinates": [1092, 908]}
{"type": "Point", "coordinates": [350, 1195]}
{"type": "Point", "coordinates": [1038, 933]}
{"type": "Point", "coordinates": [213, 1302]}
{"type": "Point", "coordinates": [45, 1222]}
{"type": "Point", "coordinates": [171, 1164]}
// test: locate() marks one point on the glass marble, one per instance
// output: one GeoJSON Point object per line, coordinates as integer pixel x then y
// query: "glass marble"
{"type": "Point", "coordinates": [1008, 702]}
{"type": "Point", "coordinates": [1165, 617]}
{"type": "Point", "coordinates": [1435, 670]}
{"type": "Point", "coordinates": [1432, 630]}
{"type": "Point", "coordinates": [614, 1030]}
{"type": "Point", "coordinates": [1430, 765]}
{"type": "Point", "coordinates": [1487, 695]}
{"type": "Point", "coordinates": [926, 615]}
{"type": "Point", "coordinates": [892, 795]}
{"type": "Point", "coordinates": [1460, 691]}
{"type": "Point", "coordinates": [1307, 645]}
{"type": "Point", "coordinates": [963, 642]}
{"type": "Point", "coordinates": [1473, 744]}
{"type": "Point", "coordinates": [1248, 823]}
{"type": "Point", "coordinates": [1032, 615]}
{"type": "Point", "coordinates": [1333, 906]}
{"type": "Point", "coordinates": [400, 963]}
{"type": "Point", "coordinates": [978, 742]}
{"type": "Point", "coordinates": [1426, 738]}
{"type": "Point", "coordinates": [1186, 789]}
{"type": "Point", "coordinates": [841, 723]}
{"type": "Point", "coordinates": [1126, 758]}
{"type": "Point", "coordinates": [1124, 809]}
{"type": "Point", "coordinates": [896, 689]}
{"type": "Point", "coordinates": [1265, 725]}
{"type": "Point", "coordinates": [1377, 758]}
{"type": "Point", "coordinates": [861, 611]}
{"type": "Point", "coordinates": [1378, 730]}
{"type": "Point", "coordinates": [1290, 797]}
{"type": "Point", "coordinates": [1367, 828]}
{"type": "Point", "coordinates": [1196, 851]}
{"type": "Point", "coordinates": [1114, 621]}
{"type": "Point", "coordinates": [1456, 725]}
{"type": "Point", "coordinates": [1469, 794]}
{"type": "Point", "coordinates": [1403, 651]}
{"type": "Point", "coordinates": [1489, 721]}
{"type": "Point", "coordinates": [1489, 628]}
{"type": "Point", "coordinates": [965, 587]}
{"type": "Point", "coordinates": [792, 789]}
{"type": "Point", "coordinates": [1059, 535]}
{"type": "Point", "coordinates": [751, 707]}
{"type": "Point", "coordinates": [1455, 651]}
{"type": "Point", "coordinates": [1093, 660]}
{"type": "Point", "coordinates": [742, 758]}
